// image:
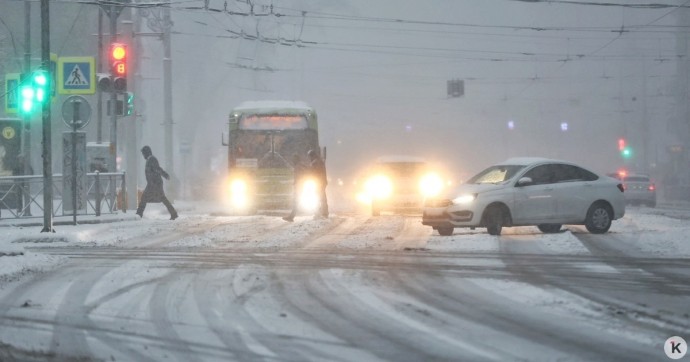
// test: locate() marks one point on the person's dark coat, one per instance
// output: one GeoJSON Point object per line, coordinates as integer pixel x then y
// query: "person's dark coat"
{"type": "Point", "coordinates": [317, 169]}
{"type": "Point", "coordinates": [154, 181]}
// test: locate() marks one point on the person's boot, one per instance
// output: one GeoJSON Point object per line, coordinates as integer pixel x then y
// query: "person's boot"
{"type": "Point", "coordinates": [288, 218]}
{"type": "Point", "coordinates": [173, 216]}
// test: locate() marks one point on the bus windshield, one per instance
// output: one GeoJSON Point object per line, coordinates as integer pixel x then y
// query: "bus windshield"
{"type": "Point", "coordinates": [273, 122]}
{"type": "Point", "coordinates": [272, 148]}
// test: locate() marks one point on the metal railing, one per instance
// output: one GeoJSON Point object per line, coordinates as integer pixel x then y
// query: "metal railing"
{"type": "Point", "coordinates": [22, 196]}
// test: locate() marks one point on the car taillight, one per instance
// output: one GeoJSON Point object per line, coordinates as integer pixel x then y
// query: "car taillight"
{"type": "Point", "coordinates": [621, 187]}
{"type": "Point", "coordinates": [651, 187]}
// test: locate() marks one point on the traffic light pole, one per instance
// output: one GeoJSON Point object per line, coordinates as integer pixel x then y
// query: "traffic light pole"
{"type": "Point", "coordinates": [113, 95]}
{"type": "Point", "coordinates": [28, 170]}
{"type": "Point", "coordinates": [167, 100]}
{"type": "Point", "coordinates": [47, 132]}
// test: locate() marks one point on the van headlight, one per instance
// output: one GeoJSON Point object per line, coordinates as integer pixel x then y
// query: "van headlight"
{"type": "Point", "coordinates": [465, 199]}
{"type": "Point", "coordinates": [430, 185]}
{"type": "Point", "coordinates": [379, 187]}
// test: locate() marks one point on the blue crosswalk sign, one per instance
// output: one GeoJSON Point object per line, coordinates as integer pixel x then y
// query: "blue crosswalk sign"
{"type": "Point", "coordinates": [76, 75]}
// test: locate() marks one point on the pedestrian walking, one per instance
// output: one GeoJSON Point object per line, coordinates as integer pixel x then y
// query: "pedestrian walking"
{"type": "Point", "coordinates": [317, 168]}
{"type": "Point", "coordinates": [153, 192]}
{"type": "Point", "coordinates": [299, 171]}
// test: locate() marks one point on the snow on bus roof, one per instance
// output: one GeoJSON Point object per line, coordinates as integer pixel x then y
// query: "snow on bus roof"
{"type": "Point", "coordinates": [268, 106]}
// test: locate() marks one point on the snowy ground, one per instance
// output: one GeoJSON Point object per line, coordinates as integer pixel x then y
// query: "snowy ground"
{"type": "Point", "coordinates": [598, 292]}
{"type": "Point", "coordinates": [658, 233]}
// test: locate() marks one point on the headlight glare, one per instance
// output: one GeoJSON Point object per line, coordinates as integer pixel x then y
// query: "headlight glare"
{"type": "Point", "coordinates": [238, 193]}
{"type": "Point", "coordinates": [379, 187]}
{"type": "Point", "coordinates": [308, 198]}
{"type": "Point", "coordinates": [431, 185]}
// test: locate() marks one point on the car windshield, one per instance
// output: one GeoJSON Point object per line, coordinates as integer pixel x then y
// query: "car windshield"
{"type": "Point", "coordinates": [496, 174]}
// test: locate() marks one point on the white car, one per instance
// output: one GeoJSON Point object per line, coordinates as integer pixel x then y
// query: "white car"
{"type": "Point", "coordinates": [529, 191]}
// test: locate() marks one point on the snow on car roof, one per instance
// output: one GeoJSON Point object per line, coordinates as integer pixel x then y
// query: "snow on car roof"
{"type": "Point", "coordinates": [400, 158]}
{"type": "Point", "coordinates": [272, 106]}
{"type": "Point", "coordinates": [528, 160]}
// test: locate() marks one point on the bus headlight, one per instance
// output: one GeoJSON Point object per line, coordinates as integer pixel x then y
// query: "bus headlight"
{"type": "Point", "coordinates": [379, 187]}
{"type": "Point", "coordinates": [309, 198]}
{"type": "Point", "coordinates": [430, 185]}
{"type": "Point", "coordinates": [238, 193]}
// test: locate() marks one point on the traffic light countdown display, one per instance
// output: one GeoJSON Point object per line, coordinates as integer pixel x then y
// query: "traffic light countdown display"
{"type": "Point", "coordinates": [34, 91]}
{"type": "Point", "coordinates": [118, 61]}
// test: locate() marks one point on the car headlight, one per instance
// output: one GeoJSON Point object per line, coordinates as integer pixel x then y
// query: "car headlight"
{"type": "Point", "coordinates": [379, 187]}
{"type": "Point", "coordinates": [431, 185]}
{"type": "Point", "coordinates": [465, 199]}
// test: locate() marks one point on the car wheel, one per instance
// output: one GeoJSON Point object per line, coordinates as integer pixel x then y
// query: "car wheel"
{"type": "Point", "coordinates": [445, 231]}
{"type": "Point", "coordinates": [549, 228]}
{"type": "Point", "coordinates": [494, 220]}
{"type": "Point", "coordinates": [599, 218]}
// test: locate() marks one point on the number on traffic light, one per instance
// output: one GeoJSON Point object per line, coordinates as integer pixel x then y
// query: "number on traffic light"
{"type": "Point", "coordinates": [118, 59]}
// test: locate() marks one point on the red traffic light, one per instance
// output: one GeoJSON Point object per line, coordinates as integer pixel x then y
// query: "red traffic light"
{"type": "Point", "coordinates": [621, 144]}
{"type": "Point", "coordinates": [118, 58]}
{"type": "Point", "coordinates": [118, 51]}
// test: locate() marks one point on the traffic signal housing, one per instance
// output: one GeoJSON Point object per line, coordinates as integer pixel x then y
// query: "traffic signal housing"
{"type": "Point", "coordinates": [118, 61]}
{"type": "Point", "coordinates": [104, 82]}
{"type": "Point", "coordinates": [626, 151]}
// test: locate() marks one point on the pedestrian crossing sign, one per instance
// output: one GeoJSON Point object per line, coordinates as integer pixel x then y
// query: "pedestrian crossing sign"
{"type": "Point", "coordinates": [76, 75]}
{"type": "Point", "coordinates": [11, 92]}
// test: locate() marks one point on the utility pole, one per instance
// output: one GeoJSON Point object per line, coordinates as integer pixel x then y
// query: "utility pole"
{"type": "Point", "coordinates": [99, 69]}
{"type": "Point", "coordinates": [47, 133]}
{"type": "Point", "coordinates": [26, 119]}
{"type": "Point", "coordinates": [167, 101]}
{"type": "Point", "coordinates": [131, 165]}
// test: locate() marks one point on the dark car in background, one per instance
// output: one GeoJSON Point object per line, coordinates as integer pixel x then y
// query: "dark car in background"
{"type": "Point", "coordinates": [400, 184]}
{"type": "Point", "coordinates": [640, 189]}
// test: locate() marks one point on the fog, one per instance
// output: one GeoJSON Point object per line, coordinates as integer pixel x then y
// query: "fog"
{"type": "Point", "coordinates": [376, 75]}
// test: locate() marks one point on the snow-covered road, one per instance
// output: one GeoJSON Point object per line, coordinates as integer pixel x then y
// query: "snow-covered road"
{"type": "Point", "coordinates": [353, 287]}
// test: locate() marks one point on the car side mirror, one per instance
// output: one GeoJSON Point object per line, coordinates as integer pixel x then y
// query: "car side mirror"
{"type": "Point", "coordinates": [525, 181]}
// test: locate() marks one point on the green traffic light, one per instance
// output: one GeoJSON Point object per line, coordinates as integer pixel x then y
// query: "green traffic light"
{"type": "Point", "coordinates": [26, 95]}
{"type": "Point", "coordinates": [130, 103]}
{"type": "Point", "coordinates": [40, 78]}
{"type": "Point", "coordinates": [34, 91]}
{"type": "Point", "coordinates": [40, 84]}
{"type": "Point", "coordinates": [626, 152]}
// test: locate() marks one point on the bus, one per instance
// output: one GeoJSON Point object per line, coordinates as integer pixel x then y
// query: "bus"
{"type": "Point", "coordinates": [263, 139]}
